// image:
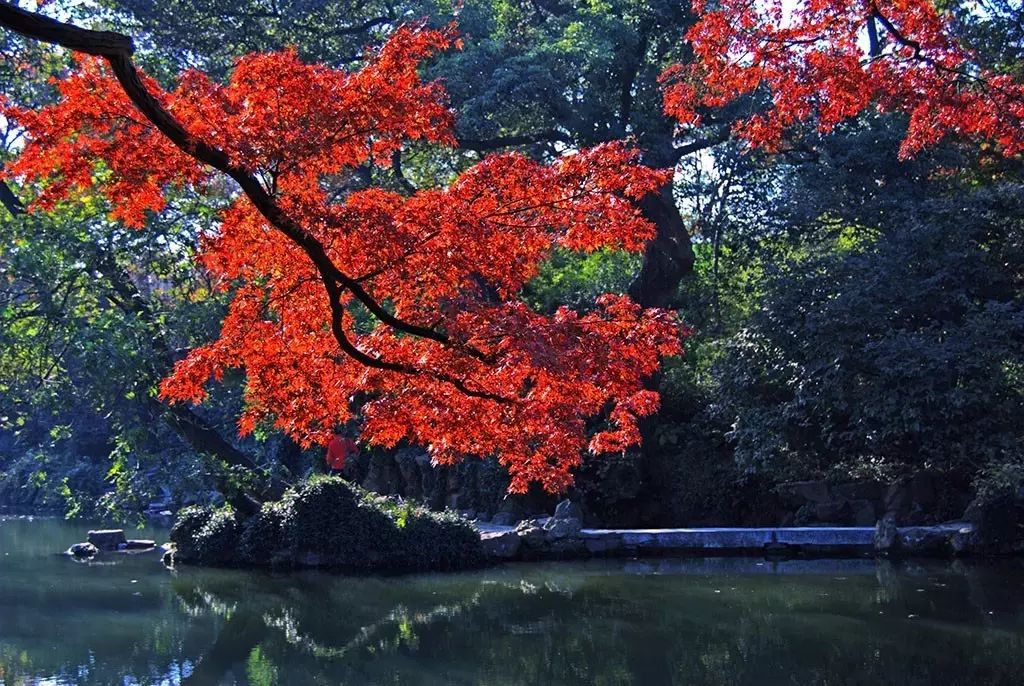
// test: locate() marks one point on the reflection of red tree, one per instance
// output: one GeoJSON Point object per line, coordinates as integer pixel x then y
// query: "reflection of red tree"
{"type": "Point", "coordinates": [339, 450]}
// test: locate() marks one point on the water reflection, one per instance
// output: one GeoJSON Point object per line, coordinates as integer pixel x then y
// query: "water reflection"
{"type": "Point", "coordinates": [725, 621]}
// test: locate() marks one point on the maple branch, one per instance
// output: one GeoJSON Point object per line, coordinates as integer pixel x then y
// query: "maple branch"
{"type": "Point", "coordinates": [338, 329]}
{"type": "Point", "coordinates": [354, 29]}
{"type": "Point", "coordinates": [117, 49]}
{"type": "Point", "coordinates": [39, 27]}
{"type": "Point", "coordinates": [488, 144]}
{"type": "Point", "coordinates": [874, 46]}
{"type": "Point", "coordinates": [917, 47]}
{"type": "Point", "coordinates": [717, 137]}
{"type": "Point", "coordinates": [9, 200]}
{"type": "Point", "coordinates": [396, 170]}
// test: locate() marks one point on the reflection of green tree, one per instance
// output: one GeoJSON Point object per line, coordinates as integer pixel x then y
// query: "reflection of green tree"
{"type": "Point", "coordinates": [580, 624]}
{"type": "Point", "coordinates": [607, 623]}
{"type": "Point", "coordinates": [259, 670]}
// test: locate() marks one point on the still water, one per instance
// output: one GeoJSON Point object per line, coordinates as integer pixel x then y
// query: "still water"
{"type": "Point", "coordinates": [728, 621]}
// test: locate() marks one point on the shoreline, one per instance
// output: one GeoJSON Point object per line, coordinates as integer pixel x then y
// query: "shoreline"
{"type": "Point", "coordinates": [541, 541]}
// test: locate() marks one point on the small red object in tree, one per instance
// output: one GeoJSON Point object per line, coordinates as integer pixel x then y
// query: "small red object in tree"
{"type": "Point", "coordinates": [339, 449]}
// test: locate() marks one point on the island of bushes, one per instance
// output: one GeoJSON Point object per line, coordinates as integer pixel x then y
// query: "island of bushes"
{"type": "Point", "coordinates": [327, 522]}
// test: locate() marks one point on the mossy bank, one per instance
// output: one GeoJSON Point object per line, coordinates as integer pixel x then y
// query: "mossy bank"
{"type": "Point", "coordinates": [327, 522]}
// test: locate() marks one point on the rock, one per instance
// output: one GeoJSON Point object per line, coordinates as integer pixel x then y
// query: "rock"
{"type": "Point", "coordinates": [923, 489]}
{"type": "Point", "coordinates": [531, 532]}
{"type": "Point", "coordinates": [83, 550]}
{"type": "Point", "coordinates": [567, 547]}
{"type": "Point", "coordinates": [962, 541]}
{"type": "Point", "coordinates": [107, 539]}
{"type": "Point", "coordinates": [504, 519]}
{"type": "Point", "coordinates": [457, 500]}
{"type": "Point", "coordinates": [997, 525]}
{"type": "Point", "coordinates": [556, 529]}
{"type": "Point", "coordinates": [833, 512]}
{"type": "Point", "coordinates": [897, 498]}
{"type": "Point", "coordinates": [887, 534]}
{"type": "Point", "coordinates": [410, 473]}
{"type": "Point", "coordinates": [501, 545]}
{"type": "Point", "coordinates": [567, 509]}
{"type": "Point", "coordinates": [606, 544]}
{"type": "Point", "coordinates": [914, 499]}
{"type": "Point", "coordinates": [139, 544]}
{"type": "Point", "coordinates": [796, 493]}
{"type": "Point", "coordinates": [382, 475]}
{"type": "Point", "coordinates": [863, 513]}
{"type": "Point", "coordinates": [510, 511]}
{"type": "Point", "coordinates": [925, 541]}
{"type": "Point", "coordinates": [873, 491]}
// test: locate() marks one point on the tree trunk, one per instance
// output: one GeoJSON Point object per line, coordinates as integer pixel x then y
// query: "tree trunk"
{"type": "Point", "coordinates": [668, 258]}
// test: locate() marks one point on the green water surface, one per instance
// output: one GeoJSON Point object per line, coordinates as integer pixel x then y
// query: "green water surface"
{"type": "Point", "coordinates": [720, 621]}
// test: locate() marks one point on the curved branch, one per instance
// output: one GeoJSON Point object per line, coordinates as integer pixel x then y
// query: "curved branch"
{"type": "Point", "coordinates": [10, 201]}
{"type": "Point", "coordinates": [338, 329]}
{"type": "Point", "coordinates": [717, 137]}
{"type": "Point", "coordinates": [489, 144]}
{"type": "Point", "coordinates": [39, 27]}
{"type": "Point", "coordinates": [117, 49]}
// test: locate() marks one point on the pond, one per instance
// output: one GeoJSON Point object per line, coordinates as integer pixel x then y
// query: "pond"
{"type": "Point", "coordinates": [668, 621]}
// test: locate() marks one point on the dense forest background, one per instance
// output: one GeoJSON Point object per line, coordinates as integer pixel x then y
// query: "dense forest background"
{"type": "Point", "coordinates": [857, 319]}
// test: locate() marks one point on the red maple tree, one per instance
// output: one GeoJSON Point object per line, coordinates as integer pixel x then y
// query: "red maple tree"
{"type": "Point", "coordinates": [453, 359]}
{"type": "Point", "coordinates": [829, 60]}
{"type": "Point", "coordinates": [406, 303]}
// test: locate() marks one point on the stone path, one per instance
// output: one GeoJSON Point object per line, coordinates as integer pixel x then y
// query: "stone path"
{"type": "Point", "coordinates": [725, 539]}
{"type": "Point", "coordinates": [714, 539]}
{"type": "Point", "coordinates": [537, 539]}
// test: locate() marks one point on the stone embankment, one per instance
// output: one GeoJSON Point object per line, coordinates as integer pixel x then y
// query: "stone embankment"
{"type": "Point", "coordinates": [562, 536]}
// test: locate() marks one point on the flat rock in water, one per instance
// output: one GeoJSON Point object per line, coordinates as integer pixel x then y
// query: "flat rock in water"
{"type": "Point", "coordinates": [139, 544]}
{"type": "Point", "coordinates": [82, 550]}
{"type": "Point", "coordinates": [107, 539]}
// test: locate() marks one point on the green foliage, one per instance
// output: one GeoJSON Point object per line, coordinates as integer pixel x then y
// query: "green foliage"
{"type": "Point", "coordinates": [260, 670]}
{"type": "Point", "coordinates": [438, 541]}
{"type": "Point", "coordinates": [326, 518]}
{"type": "Point", "coordinates": [1000, 479]}
{"type": "Point", "coordinates": [895, 354]}
{"type": "Point", "coordinates": [575, 280]}
{"type": "Point", "coordinates": [264, 535]}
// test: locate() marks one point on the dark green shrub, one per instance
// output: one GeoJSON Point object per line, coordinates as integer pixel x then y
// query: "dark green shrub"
{"type": "Point", "coordinates": [326, 517]}
{"type": "Point", "coordinates": [184, 533]}
{"type": "Point", "coordinates": [1001, 478]}
{"type": "Point", "coordinates": [885, 352]}
{"type": "Point", "coordinates": [328, 522]}
{"type": "Point", "coordinates": [217, 542]}
{"type": "Point", "coordinates": [207, 536]}
{"type": "Point", "coordinates": [263, 535]}
{"type": "Point", "coordinates": [439, 541]}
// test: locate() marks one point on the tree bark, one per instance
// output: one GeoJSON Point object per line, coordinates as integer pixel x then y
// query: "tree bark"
{"type": "Point", "coordinates": [668, 258]}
